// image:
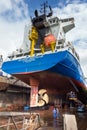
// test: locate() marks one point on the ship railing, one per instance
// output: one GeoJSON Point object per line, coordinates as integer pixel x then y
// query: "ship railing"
{"type": "Point", "coordinates": [17, 55]}
{"type": "Point", "coordinates": [59, 46]}
{"type": "Point", "coordinates": [70, 48]}
{"type": "Point", "coordinates": [24, 53]}
{"type": "Point", "coordinates": [68, 19]}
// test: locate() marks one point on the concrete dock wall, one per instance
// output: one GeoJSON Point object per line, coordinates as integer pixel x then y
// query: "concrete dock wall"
{"type": "Point", "coordinates": [11, 99]}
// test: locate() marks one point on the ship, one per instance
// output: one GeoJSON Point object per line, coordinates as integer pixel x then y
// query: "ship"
{"type": "Point", "coordinates": [46, 58]}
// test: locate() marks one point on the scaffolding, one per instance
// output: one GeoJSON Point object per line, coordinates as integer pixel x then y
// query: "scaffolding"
{"type": "Point", "coordinates": [19, 121]}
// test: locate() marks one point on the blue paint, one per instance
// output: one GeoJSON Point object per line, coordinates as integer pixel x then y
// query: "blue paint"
{"type": "Point", "coordinates": [63, 63]}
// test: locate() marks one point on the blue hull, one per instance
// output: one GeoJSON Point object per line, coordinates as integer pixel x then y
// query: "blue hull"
{"type": "Point", "coordinates": [63, 63]}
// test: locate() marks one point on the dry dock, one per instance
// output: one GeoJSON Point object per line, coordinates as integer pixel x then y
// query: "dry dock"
{"type": "Point", "coordinates": [13, 93]}
{"type": "Point", "coordinates": [13, 98]}
{"type": "Point", "coordinates": [46, 120]}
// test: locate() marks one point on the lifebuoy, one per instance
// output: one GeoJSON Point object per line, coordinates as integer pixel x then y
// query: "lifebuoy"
{"type": "Point", "coordinates": [49, 39]}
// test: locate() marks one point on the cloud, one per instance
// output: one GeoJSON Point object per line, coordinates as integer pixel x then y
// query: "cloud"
{"type": "Point", "coordinates": [11, 35]}
{"type": "Point", "coordinates": [5, 5]}
{"type": "Point", "coordinates": [14, 10]}
{"type": "Point", "coordinates": [78, 11]}
{"type": "Point", "coordinates": [13, 17]}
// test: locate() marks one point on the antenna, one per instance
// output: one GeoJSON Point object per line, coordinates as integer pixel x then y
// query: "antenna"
{"type": "Point", "coordinates": [44, 7]}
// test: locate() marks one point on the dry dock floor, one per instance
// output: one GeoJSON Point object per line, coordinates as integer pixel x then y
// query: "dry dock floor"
{"type": "Point", "coordinates": [51, 124]}
{"type": "Point", "coordinates": [57, 124]}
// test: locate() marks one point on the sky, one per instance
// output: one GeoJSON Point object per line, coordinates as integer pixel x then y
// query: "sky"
{"type": "Point", "coordinates": [15, 14]}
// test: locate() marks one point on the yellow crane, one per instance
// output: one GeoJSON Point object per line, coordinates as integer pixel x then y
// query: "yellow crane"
{"type": "Point", "coordinates": [33, 37]}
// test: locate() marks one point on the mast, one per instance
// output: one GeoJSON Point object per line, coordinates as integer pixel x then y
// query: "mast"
{"type": "Point", "coordinates": [44, 7]}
